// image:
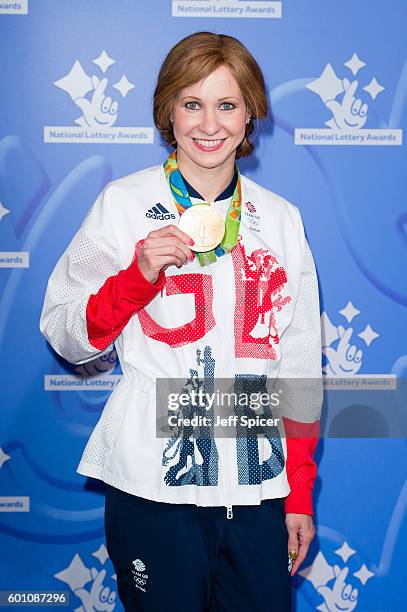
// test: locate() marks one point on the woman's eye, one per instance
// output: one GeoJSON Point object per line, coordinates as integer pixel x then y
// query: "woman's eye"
{"type": "Point", "coordinates": [228, 106]}
{"type": "Point", "coordinates": [191, 105]}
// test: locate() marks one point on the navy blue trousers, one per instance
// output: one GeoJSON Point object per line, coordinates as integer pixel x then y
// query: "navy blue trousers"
{"type": "Point", "coordinates": [185, 558]}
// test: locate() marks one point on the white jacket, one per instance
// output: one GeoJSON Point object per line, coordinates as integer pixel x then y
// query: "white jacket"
{"type": "Point", "coordinates": [255, 311]}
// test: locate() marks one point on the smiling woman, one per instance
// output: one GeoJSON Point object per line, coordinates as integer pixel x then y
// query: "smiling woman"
{"type": "Point", "coordinates": [208, 128]}
{"type": "Point", "coordinates": [227, 289]}
{"type": "Point", "coordinates": [191, 61]}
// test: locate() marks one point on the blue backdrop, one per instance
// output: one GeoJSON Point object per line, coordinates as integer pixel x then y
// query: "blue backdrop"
{"type": "Point", "coordinates": [336, 74]}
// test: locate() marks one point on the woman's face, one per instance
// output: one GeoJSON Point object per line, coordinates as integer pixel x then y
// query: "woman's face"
{"type": "Point", "coordinates": [209, 120]}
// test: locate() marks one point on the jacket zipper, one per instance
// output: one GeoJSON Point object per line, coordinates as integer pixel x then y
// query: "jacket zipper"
{"type": "Point", "coordinates": [229, 508]}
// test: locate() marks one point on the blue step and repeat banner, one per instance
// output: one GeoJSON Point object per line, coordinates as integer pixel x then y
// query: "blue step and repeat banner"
{"type": "Point", "coordinates": [336, 74]}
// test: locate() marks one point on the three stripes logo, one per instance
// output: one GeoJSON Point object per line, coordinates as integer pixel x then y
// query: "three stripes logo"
{"type": "Point", "coordinates": [159, 212]}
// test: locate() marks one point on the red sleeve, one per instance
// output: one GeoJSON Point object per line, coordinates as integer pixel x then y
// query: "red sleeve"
{"type": "Point", "coordinates": [302, 439]}
{"type": "Point", "coordinates": [109, 310]}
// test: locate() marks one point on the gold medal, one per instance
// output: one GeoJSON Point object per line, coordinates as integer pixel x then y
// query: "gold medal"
{"type": "Point", "coordinates": [204, 224]}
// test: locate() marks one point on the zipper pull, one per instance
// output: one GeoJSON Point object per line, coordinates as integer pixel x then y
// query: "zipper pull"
{"type": "Point", "coordinates": [229, 512]}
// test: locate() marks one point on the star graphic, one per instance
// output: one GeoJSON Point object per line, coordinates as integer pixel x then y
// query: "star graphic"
{"type": "Point", "coordinates": [345, 551]}
{"type": "Point", "coordinates": [349, 312]}
{"type": "Point", "coordinates": [76, 575]}
{"type": "Point", "coordinates": [374, 88]}
{"type": "Point", "coordinates": [368, 335]}
{"type": "Point", "coordinates": [124, 86]}
{"type": "Point", "coordinates": [319, 572]}
{"type": "Point", "coordinates": [3, 457]}
{"type": "Point", "coordinates": [104, 61]}
{"type": "Point", "coordinates": [354, 64]}
{"type": "Point", "coordinates": [101, 554]}
{"type": "Point", "coordinates": [76, 83]}
{"type": "Point", "coordinates": [363, 574]}
{"type": "Point", "coordinates": [328, 85]}
{"type": "Point", "coordinates": [3, 211]}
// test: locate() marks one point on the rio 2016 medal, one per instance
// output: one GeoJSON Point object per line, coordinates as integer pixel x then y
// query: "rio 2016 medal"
{"type": "Point", "coordinates": [204, 224]}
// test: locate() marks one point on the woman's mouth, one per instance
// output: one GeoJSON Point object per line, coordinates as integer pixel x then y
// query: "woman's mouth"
{"type": "Point", "coordinates": [208, 145]}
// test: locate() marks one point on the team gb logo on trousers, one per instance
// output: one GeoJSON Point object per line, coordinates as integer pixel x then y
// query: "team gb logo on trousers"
{"type": "Point", "coordinates": [98, 104]}
{"type": "Point", "coordinates": [348, 99]}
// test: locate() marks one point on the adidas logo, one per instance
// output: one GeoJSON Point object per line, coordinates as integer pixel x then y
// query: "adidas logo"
{"type": "Point", "coordinates": [159, 212]}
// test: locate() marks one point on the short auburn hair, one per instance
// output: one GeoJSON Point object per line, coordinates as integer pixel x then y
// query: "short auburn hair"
{"type": "Point", "coordinates": [194, 58]}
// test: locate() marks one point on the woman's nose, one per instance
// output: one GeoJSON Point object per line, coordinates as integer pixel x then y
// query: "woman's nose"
{"type": "Point", "coordinates": [209, 122]}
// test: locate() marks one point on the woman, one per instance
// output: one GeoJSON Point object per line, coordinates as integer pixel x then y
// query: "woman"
{"type": "Point", "coordinates": [196, 521]}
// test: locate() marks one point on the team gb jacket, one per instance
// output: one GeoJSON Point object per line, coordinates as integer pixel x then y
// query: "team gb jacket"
{"type": "Point", "coordinates": [253, 313]}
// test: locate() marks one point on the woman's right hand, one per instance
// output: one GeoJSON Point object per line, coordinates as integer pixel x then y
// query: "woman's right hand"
{"type": "Point", "coordinates": [164, 247]}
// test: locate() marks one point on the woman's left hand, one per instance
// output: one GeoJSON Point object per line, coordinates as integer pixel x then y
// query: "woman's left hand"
{"type": "Point", "coordinates": [301, 531]}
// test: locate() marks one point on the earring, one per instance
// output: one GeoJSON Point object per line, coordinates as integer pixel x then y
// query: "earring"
{"type": "Point", "coordinates": [248, 120]}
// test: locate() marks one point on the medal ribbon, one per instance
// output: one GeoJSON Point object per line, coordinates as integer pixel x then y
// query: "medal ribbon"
{"type": "Point", "coordinates": [183, 201]}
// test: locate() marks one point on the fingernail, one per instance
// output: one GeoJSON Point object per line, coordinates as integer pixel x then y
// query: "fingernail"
{"type": "Point", "coordinates": [191, 241]}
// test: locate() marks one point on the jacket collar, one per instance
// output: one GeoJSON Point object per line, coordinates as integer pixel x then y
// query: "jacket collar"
{"type": "Point", "coordinates": [226, 193]}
